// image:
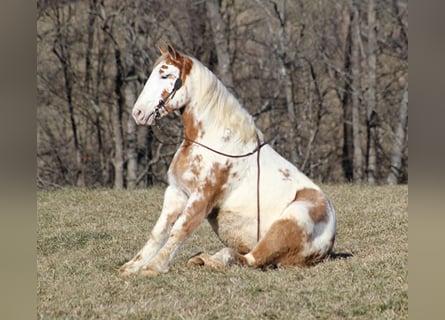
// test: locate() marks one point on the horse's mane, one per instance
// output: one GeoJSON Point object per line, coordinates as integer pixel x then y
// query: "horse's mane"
{"type": "Point", "coordinates": [219, 106]}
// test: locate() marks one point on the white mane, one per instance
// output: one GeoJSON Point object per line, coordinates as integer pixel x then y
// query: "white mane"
{"type": "Point", "coordinates": [217, 106]}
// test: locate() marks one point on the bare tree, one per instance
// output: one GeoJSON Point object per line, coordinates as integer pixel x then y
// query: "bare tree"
{"type": "Point", "coordinates": [281, 48]}
{"type": "Point", "coordinates": [221, 40]}
{"type": "Point", "coordinates": [371, 105]}
{"type": "Point", "coordinates": [297, 66]}
{"type": "Point", "coordinates": [356, 93]}
{"type": "Point", "coordinates": [119, 91]}
{"type": "Point", "coordinates": [61, 48]}
{"type": "Point", "coordinates": [399, 139]}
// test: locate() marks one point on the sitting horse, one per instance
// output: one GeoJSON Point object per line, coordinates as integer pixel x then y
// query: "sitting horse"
{"type": "Point", "coordinates": [214, 174]}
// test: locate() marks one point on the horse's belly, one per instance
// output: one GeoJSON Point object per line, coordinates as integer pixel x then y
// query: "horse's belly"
{"type": "Point", "coordinates": [236, 230]}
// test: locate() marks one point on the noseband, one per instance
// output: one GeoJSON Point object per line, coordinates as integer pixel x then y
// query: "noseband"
{"type": "Point", "coordinates": [176, 87]}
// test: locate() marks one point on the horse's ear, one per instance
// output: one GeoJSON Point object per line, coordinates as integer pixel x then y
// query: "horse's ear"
{"type": "Point", "coordinates": [161, 49]}
{"type": "Point", "coordinates": [172, 52]}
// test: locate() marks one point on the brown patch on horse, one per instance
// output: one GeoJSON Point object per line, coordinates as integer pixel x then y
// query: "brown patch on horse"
{"type": "Point", "coordinates": [285, 173]}
{"type": "Point", "coordinates": [211, 189]}
{"type": "Point", "coordinates": [183, 163]}
{"type": "Point", "coordinates": [176, 59]}
{"type": "Point", "coordinates": [213, 186]}
{"type": "Point", "coordinates": [186, 68]}
{"type": "Point", "coordinates": [183, 63]}
{"type": "Point", "coordinates": [165, 94]}
{"type": "Point", "coordinates": [191, 127]}
{"type": "Point", "coordinates": [282, 244]}
{"type": "Point", "coordinates": [318, 210]}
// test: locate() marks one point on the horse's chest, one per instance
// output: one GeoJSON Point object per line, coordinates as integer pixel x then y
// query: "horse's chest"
{"type": "Point", "coordinates": [194, 172]}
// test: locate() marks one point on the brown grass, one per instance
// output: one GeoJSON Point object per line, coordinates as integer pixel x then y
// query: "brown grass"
{"type": "Point", "coordinates": [85, 235]}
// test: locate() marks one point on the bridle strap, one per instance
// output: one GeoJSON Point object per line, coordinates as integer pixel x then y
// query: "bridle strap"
{"type": "Point", "coordinates": [257, 150]}
{"type": "Point", "coordinates": [176, 87]}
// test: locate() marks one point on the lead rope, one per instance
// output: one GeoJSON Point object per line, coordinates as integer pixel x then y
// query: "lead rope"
{"type": "Point", "coordinates": [257, 149]}
{"type": "Point", "coordinates": [258, 215]}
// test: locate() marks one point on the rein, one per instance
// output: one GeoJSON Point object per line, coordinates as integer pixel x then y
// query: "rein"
{"type": "Point", "coordinates": [256, 150]}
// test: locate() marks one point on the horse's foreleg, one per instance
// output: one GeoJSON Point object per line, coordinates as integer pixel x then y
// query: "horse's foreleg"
{"type": "Point", "coordinates": [224, 258]}
{"type": "Point", "coordinates": [174, 203]}
{"type": "Point", "coordinates": [192, 216]}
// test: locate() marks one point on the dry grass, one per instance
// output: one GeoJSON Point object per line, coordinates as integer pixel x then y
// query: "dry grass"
{"type": "Point", "coordinates": [84, 235]}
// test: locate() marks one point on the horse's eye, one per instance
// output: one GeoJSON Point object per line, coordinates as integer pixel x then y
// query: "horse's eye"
{"type": "Point", "coordinates": [165, 76]}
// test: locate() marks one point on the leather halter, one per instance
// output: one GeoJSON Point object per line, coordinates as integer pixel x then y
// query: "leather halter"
{"type": "Point", "coordinates": [176, 87]}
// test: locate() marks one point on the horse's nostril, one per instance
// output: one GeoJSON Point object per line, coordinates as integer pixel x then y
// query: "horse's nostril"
{"type": "Point", "coordinates": [137, 112]}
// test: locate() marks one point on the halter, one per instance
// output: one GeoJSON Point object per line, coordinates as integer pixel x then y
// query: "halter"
{"type": "Point", "coordinates": [176, 87]}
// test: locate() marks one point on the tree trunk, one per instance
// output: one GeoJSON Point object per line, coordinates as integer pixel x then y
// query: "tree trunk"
{"type": "Point", "coordinates": [145, 153]}
{"type": "Point", "coordinates": [281, 49]}
{"type": "Point", "coordinates": [132, 154]}
{"type": "Point", "coordinates": [117, 123]}
{"type": "Point", "coordinates": [352, 152]}
{"type": "Point", "coordinates": [62, 51]}
{"type": "Point", "coordinates": [348, 158]}
{"type": "Point", "coordinates": [220, 38]}
{"type": "Point", "coordinates": [399, 140]}
{"type": "Point", "coordinates": [355, 71]}
{"type": "Point", "coordinates": [90, 41]}
{"type": "Point", "coordinates": [288, 89]}
{"type": "Point", "coordinates": [371, 158]}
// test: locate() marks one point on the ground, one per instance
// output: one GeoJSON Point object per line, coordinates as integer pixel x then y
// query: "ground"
{"type": "Point", "coordinates": [84, 236]}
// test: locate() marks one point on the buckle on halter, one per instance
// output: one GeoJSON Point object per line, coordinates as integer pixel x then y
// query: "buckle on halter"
{"type": "Point", "coordinates": [158, 107]}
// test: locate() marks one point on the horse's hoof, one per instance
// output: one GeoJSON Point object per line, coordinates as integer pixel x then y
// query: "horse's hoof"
{"type": "Point", "coordinates": [195, 261]}
{"type": "Point", "coordinates": [148, 272]}
{"type": "Point", "coordinates": [124, 271]}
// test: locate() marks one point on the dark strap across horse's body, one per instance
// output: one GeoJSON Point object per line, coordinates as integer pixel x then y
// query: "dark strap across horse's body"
{"type": "Point", "coordinates": [257, 149]}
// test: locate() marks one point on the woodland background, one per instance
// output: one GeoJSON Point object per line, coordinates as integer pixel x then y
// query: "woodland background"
{"type": "Point", "coordinates": [326, 81]}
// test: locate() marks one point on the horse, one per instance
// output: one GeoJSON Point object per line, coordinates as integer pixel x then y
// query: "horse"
{"type": "Point", "coordinates": [289, 221]}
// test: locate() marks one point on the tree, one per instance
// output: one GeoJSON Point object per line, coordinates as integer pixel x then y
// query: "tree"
{"type": "Point", "coordinates": [399, 140]}
{"type": "Point", "coordinates": [324, 81]}
{"type": "Point", "coordinates": [119, 91]}
{"type": "Point", "coordinates": [352, 153]}
{"type": "Point", "coordinates": [371, 105]}
{"type": "Point", "coordinates": [61, 48]}
{"type": "Point", "coordinates": [281, 48]}
{"type": "Point", "coordinates": [221, 40]}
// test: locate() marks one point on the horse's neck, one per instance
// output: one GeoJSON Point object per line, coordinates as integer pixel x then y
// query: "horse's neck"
{"type": "Point", "coordinates": [215, 112]}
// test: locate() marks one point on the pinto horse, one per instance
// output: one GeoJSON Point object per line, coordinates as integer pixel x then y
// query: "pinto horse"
{"type": "Point", "coordinates": [223, 171]}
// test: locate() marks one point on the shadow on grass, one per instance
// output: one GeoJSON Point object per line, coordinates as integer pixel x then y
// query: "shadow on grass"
{"type": "Point", "coordinates": [340, 255]}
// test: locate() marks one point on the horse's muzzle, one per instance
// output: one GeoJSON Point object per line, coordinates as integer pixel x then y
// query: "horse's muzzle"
{"type": "Point", "coordinates": [143, 118]}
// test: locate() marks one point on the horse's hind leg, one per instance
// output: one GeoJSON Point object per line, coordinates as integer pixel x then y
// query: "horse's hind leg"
{"type": "Point", "coordinates": [288, 243]}
{"type": "Point", "coordinates": [282, 244]}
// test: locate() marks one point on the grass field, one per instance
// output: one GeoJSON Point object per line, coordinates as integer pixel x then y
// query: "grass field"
{"type": "Point", "coordinates": [83, 236]}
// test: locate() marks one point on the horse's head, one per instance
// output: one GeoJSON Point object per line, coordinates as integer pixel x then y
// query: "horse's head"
{"type": "Point", "coordinates": [165, 89]}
